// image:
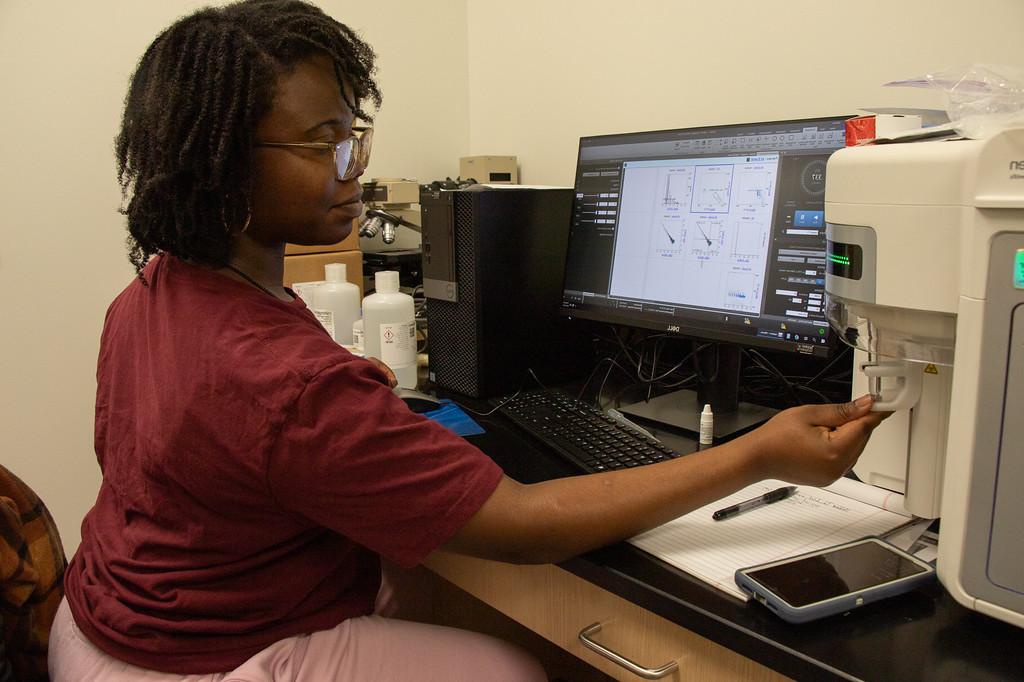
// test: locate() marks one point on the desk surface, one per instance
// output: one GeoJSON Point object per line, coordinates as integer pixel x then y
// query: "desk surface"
{"type": "Point", "coordinates": [922, 635]}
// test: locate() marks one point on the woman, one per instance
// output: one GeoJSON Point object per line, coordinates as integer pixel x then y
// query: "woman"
{"type": "Point", "coordinates": [254, 472]}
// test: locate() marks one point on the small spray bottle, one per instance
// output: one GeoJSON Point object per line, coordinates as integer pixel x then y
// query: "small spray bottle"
{"type": "Point", "coordinates": [707, 428]}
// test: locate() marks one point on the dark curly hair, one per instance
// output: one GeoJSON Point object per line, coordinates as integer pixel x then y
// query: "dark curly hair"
{"type": "Point", "coordinates": [185, 148]}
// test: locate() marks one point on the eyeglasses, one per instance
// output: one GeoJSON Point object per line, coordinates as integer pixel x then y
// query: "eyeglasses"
{"type": "Point", "coordinates": [351, 155]}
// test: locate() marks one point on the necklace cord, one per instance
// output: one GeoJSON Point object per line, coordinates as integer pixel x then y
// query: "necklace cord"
{"type": "Point", "coordinates": [249, 279]}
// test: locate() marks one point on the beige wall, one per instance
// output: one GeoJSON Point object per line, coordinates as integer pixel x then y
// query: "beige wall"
{"type": "Point", "coordinates": [544, 72]}
{"type": "Point", "coordinates": [64, 73]}
{"type": "Point", "coordinates": [459, 76]}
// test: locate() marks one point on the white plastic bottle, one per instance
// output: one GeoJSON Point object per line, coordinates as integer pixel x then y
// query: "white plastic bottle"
{"type": "Point", "coordinates": [707, 429]}
{"type": "Point", "coordinates": [305, 290]}
{"type": "Point", "coordinates": [389, 328]}
{"type": "Point", "coordinates": [357, 335]}
{"type": "Point", "coordinates": [337, 300]}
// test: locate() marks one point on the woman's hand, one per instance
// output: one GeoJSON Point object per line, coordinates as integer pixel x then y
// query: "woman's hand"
{"type": "Point", "coordinates": [814, 444]}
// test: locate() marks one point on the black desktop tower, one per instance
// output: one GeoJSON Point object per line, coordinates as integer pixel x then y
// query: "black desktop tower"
{"type": "Point", "coordinates": [493, 264]}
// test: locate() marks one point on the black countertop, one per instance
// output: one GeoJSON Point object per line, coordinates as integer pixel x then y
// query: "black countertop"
{"type": "Point", "coordinates": [921, 635]}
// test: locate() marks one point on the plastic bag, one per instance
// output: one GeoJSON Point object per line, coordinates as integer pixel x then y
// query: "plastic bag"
{"type": "Point", "coordinates": [981, 100]}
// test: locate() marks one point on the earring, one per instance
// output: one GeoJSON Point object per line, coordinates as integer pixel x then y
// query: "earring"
{"type": "Point", "coordinates": [224, 219]}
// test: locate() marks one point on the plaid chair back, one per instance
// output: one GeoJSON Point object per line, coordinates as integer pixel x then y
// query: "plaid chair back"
{"type": "Point", "coordinates": [32, 564]}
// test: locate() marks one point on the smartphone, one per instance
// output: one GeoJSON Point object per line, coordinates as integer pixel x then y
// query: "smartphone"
{"type": "Point", "coordinates": [833, 580]}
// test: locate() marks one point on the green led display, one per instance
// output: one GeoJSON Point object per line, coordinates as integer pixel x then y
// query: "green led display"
{"type": "Point", "coordinates": [843, 260]}
{"type": "Point", "coordinates": [1018, 270]}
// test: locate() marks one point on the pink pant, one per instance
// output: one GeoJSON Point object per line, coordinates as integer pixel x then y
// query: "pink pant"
{"type": "Point", "coordinates": [364, 649]}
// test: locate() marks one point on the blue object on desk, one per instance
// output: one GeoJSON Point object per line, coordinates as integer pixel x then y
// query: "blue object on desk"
{"type": "Point", "coordinates": [454, 417]}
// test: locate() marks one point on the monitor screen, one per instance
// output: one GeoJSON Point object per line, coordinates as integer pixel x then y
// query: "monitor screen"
{"type": "Point", "coordinates": [715, 232]}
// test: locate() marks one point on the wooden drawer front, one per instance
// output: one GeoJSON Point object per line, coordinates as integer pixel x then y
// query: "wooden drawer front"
{"type": "Point", "coordinates": [557, 605]}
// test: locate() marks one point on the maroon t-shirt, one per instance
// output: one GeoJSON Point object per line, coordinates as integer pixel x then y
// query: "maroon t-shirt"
{"type": "Point", "coordinates": [253, 473]}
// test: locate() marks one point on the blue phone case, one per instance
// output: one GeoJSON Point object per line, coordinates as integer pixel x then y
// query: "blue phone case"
{"type": "Point", "coordinates": [838, 604]}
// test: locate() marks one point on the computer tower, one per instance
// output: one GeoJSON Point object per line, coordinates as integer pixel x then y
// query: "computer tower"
{"type": "Point", "coordinates": [493, 265]}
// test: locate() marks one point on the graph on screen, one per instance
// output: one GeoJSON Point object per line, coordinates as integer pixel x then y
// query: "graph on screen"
{"type": "Point", "coordinates": [701, 225]}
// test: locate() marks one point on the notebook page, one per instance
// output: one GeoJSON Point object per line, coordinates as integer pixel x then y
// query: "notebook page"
{"type": "Point", "coordinates": [873, 495]}
{"type": "Point", "coordinates": [813, 518]}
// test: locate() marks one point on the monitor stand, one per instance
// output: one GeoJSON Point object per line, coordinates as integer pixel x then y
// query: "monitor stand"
{"type": "Point", "coordinates": [682, 409]}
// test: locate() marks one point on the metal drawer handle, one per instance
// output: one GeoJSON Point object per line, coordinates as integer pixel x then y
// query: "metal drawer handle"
{"type": "Point", "coordinates": [646, 673]}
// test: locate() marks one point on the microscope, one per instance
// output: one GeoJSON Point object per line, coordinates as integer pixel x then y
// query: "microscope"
{"type": "Point", "coordinates": [389, 231]}
{"type": "Point", "coordinates": [392, 219]}
{"type": "Point", "coordinates": [925, 279]}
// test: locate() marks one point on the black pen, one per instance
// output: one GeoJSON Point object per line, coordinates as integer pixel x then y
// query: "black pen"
{"type": "Point", "coordinates": [776, 495]}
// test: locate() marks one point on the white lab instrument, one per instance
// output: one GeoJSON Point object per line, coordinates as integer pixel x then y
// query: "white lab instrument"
{"type": "Point", "coordinates": [490, 169]}
{"type": "Point", "coordinates": [926, 279]}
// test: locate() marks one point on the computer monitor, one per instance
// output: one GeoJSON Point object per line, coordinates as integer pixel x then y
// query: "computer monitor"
{"type": "Point", "coordinates": [716, 233]}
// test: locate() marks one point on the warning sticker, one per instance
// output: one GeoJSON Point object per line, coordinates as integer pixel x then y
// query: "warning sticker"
{"type": "Point", "coordinates": [398, 344]}
{"type": "Point", "coordinates": [326, 318]}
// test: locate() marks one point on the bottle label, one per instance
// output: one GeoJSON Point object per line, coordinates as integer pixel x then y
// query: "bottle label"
{"type": "Point", "coordinates": [398, 344]}
{"type": "Point", "coordinates": [326, 318]}
{"type": "Point", "coordinates": [357, 337]}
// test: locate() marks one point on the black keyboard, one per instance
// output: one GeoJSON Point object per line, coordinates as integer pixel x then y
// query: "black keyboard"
{"type": "Point", "coordinates": [588, 438]}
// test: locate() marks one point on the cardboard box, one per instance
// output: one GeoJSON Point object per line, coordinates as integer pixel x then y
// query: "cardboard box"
{"type": "Point", "coordinates": [349, 243]}
{"type": "Point", "coordinates": [310, 267]}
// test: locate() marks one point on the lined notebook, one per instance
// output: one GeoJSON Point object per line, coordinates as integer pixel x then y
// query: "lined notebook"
{"type": "Point", "coordinates": [813, 518]}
